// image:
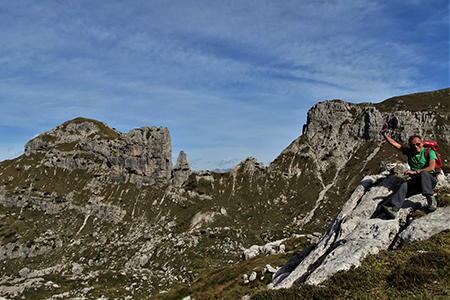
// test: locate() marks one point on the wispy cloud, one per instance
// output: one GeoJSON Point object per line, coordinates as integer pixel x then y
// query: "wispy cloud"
{"type": "Point", "coordinates": [228, 78]}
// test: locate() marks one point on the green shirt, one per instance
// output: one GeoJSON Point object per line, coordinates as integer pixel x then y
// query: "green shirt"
{"type": "Point", "coordinates": [418, 161]}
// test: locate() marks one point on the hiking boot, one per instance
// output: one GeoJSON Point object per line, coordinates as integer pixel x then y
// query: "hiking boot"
{"type": "Point", "coordinates": [391, 211]}
{"type": "Point", "coordinates": [433, 205]}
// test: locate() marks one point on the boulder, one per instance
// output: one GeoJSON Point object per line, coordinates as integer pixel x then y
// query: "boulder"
{"type": "Point", "coordinates": [253, 276]}
{"type": "Point", "coordinates": [269, 248]}
{"type": "Point", "coordinates": [361, 228]}
{"type": "Point", "coordinates": [425, 227]}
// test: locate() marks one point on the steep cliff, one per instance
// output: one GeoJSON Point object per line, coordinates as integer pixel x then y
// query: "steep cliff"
{"type": "Point", "coordinates": [341, 143]}
{"type": "Point", "coordinates": [142, 156]}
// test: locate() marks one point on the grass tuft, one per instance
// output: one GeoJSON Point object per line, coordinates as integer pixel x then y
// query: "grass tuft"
{"type": "Point", "coordinates": [443, 197]}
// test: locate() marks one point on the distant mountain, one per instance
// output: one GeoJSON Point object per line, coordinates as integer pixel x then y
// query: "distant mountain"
{"type": "Point", "coordinates": [88, 211]}
{"type": "Point", "coordinates": [216, 170]}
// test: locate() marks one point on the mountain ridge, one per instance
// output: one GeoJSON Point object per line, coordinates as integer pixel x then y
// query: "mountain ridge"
{"type": "Point", "coordinates": [86, 202]}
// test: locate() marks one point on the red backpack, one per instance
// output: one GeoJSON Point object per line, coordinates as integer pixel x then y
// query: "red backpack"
{"type": "Point", "coordinates": [433, 145]}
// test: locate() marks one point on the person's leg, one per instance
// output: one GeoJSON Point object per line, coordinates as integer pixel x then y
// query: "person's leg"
{"type": "Point", "coordinates": [399, 197]}
{"type": "Point", "coordinates": [410, 187]}
{"type": "Point", "coordinates": [428, 182]}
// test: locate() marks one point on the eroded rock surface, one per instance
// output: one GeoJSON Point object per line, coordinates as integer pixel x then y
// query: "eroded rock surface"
{"type": "Point", "coordinates": [142, 156]}
{"type": "Point", "coordinates": [360, 229]}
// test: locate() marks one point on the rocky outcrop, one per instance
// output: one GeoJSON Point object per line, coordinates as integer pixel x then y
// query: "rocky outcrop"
{"type": "Point", "coordinates": [360, 229]}
{"type": "Point", "coordinates": [273, 248]}
{"type": "Point", "coordinates": [181, 171]}
{"type": "Point", "coordinates": [248, 166]}
{"type": "Point", "coordinates": [341, 143]}
{"type": "Point", "coordinates": [425, 227]}
{"type": "Point", "coordinates": [336, 129]}
{"type": "Point", "coordinates": [142, 156]}
{"type": "Point", "coordinates": [276, 247]}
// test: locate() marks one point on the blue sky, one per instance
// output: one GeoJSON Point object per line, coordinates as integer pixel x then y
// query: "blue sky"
{"type": "Point", "coordinates": [230, 79]}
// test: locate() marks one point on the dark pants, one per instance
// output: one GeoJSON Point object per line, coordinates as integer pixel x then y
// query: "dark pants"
{"type": "Point", "coordinates": [424, 182]}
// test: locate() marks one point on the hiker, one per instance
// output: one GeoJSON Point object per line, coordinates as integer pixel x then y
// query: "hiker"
{"type": "Point", "coordinates": [422, 167]}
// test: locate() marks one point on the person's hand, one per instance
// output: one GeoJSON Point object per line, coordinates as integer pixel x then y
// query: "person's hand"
{"type": "Point", "coordinates": [384, 128]}
{"type": "Point", "coordinates": [409, 172]}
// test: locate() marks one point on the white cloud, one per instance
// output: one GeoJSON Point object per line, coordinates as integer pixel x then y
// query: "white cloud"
{"type": "Point", "coordinates": [238, 75]}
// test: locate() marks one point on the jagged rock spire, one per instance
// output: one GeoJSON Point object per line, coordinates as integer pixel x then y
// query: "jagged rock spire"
{"type": "Point", "coordinates": [181, 170]}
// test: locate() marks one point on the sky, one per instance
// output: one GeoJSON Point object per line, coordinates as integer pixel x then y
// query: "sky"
{"type": "Point", "coordinates": [229, 79]}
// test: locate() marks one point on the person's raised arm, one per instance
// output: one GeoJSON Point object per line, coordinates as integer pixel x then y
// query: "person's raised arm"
{"type": "Point", "coordinates": [388, 138]}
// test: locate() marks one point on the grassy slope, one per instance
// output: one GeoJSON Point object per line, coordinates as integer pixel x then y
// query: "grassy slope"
{"type": "Point", "coordinates": [227, 283]}
{"type": "Point", "coordinates": [420, 270]}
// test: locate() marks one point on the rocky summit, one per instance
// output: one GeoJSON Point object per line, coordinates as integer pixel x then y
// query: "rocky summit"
{"type": "Point", "coordinates": [88, 212]}
{"type": "Point", "coordinates": [142, 156]}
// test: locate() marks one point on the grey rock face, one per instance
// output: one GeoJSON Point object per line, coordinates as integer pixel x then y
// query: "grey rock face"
{"type": "Point", "coordinates": [360, 229]}
{"type": "Point", "coordinates": [142, 156]}
{"type": "Point", "coordinates": [336, 130]}
{"type": "Point", "coordinates": [181, 171]}
{"type": "Point", "coordinates": [250, 166]}
{"type": "Point", "coordinates": [425, 227]}
{"type": "Point", "coordinates": [341, 143]}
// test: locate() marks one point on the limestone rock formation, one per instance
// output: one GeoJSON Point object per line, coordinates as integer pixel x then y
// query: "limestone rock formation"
{"type": "Point", "coordinates": [145, 157]}
{"type": "Point", "coordinates": [425, 227]}
{"type": "Point", "coordinates": [142, 156]}
{"type": "Point", "coordinates": [249, 166]}
{"type": "Point", "coordinates": [181, 171]}
{"type": "Point", "coordinates": [360, 229]}
{"type": "Point", "coordinates": [336, 129]}
{"type": "Point", "coordinates": [341, 143]}
{"type": "Point", "coordinates": [270, 248]}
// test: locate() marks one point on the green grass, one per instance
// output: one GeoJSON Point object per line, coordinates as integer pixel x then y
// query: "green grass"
{"type": "Point", "coordinates": [227, 283]}
{"type": "Point", "coordinates": [443, 197]}
{"type": "Point", "coordinates": [435, 101]}
{"type": "Point", "coordinates": [419, 271]}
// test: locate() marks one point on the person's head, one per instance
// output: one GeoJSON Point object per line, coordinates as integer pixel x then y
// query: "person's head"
{"type": "Point", "coordinates": [415, 143]}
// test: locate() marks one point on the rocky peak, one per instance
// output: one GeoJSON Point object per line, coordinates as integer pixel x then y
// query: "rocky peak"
{"type": "Point", "coordinates": [335, 130]}
{"type": "Point", "coordinates": [142, 156]}
{"type": "Point", "coordinates": [181, 170]}
{"type": "Point", "coordinates": [248, 166]}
